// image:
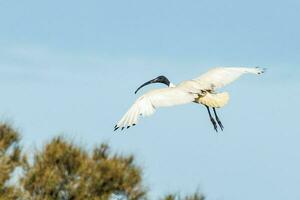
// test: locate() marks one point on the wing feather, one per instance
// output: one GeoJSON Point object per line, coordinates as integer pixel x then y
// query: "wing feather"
{"type": "Point", "coordinates": [147, 104]}
{"type": "Point", "coordinates": [142, 106]}
{"type": "Point", "coordinates": [221, 76]}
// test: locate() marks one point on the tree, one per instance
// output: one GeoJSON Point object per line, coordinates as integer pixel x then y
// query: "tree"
{"type": "Point", "coordinates": [10, 159]}
{"type": "Point", "coordinates": [62, 170]}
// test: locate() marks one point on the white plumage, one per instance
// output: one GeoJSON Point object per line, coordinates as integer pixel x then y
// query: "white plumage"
{"type": "Point", "coordinates": [221, 76]}
{"type": "Point", "coordinates": [200, 90]}
{"type": "Point", "coordinates": [147, 104]}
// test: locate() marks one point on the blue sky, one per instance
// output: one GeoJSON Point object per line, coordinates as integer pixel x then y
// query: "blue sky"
{"type": "Point", "coordinates": [71, 67]}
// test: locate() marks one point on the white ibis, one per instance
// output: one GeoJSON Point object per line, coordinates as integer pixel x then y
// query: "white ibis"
{"type": "Point", "coordinates": [201, 90]}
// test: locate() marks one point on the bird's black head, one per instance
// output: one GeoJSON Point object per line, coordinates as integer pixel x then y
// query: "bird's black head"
{"type": "Point", "coordinates": [159, 79]}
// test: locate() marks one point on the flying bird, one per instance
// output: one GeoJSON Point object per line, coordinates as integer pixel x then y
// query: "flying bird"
{"type": "Point", "coordinates": [201, 90]}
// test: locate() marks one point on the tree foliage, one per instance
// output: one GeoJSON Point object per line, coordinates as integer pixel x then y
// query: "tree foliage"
{"type": "Point", "coordinates": [10, 159]}
{"type": "Point", "coordinates": [62, 170]}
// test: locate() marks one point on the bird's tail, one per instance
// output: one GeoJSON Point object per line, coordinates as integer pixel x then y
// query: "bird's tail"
{"type": "Point", "coordinates": [214, 100]}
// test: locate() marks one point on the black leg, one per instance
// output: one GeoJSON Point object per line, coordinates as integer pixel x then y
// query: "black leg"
{"type": "Point", "coordinates": [212, 119]}
{"type": "Point", "coordinates": [218, 120]}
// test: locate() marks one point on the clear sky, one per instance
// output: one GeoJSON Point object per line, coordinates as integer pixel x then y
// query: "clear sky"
{"type": "Point", "coordinates": [71, 67]}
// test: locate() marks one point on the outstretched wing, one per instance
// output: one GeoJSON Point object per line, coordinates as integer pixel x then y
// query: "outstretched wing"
{"type": "Point", "coordinates": [221, 76]}
{"type": "Point", "coordinates": [147, 104]}
{"type": "Point", "coordinates": [143, 106]}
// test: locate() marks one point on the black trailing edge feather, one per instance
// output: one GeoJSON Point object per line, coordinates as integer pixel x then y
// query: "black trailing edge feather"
{"type": "Point", "coordinates": [116, 127]}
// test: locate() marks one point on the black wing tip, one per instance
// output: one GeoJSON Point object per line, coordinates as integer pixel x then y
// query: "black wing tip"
{"type": "Point", "coordinates": [117, 127]}
{"type": "Point", "coordinates": [262, 70]}
{"type": "Point", "coordinates": [130, 126]}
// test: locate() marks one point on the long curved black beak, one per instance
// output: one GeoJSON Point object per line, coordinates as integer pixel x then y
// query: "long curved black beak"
{"type": "Point", "coordinates": [147, 83]}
